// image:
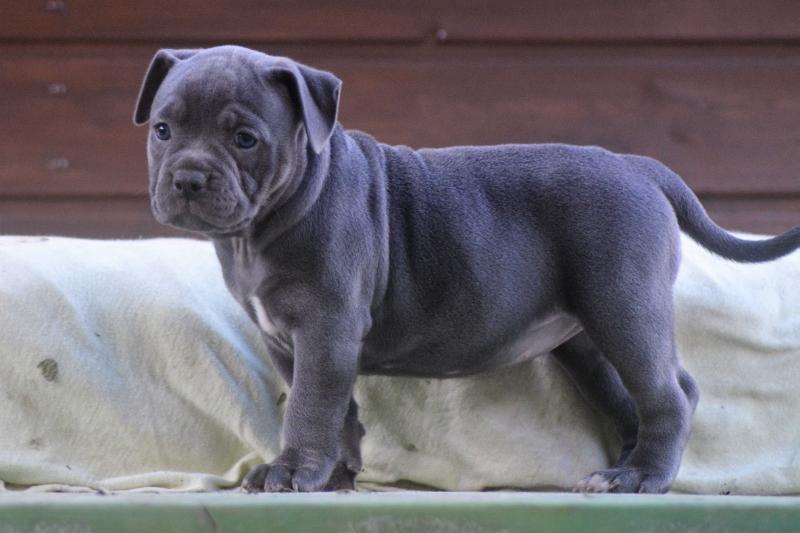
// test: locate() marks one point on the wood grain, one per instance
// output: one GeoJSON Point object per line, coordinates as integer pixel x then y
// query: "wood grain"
{"type": "Point", "coordinates": [66, 120]}
{"type": "Point", "coordinates": [401, 21]}
{"type": "Point", "coordinates": [709, 87]}
{"type": "Point", "coordinates": [130, 217]}
{"type": "Point", "coordinates": [769, 216]}
{"type": "Point", "coordinates": [724, 118]}
{"type": "Point", "coordinates": [563, 21]}
{"type": "Point", "coordinates": [98, 217]}
{"type": "Point", "coordinates": [236, 20]}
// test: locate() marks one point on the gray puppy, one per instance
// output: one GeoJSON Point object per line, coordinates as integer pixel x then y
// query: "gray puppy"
{"type": "Point", "coordinates": [358, 257]}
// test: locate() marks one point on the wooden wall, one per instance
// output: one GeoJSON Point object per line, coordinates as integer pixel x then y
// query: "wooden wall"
{"type": "Point", "coordinates": [710, 87]}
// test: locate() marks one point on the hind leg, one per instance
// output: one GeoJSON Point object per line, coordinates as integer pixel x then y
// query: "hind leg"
{"type": "Point", "coordinates": [635, 334]}
{"type": "Point", "coordinates": [601, 386]}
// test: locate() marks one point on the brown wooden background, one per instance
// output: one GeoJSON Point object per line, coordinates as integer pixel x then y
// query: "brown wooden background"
{"type": "Point", "coordinates": [712, 88]}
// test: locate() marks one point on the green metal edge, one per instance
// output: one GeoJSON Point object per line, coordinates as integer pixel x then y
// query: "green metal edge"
{"type": "Point", "coordinates": [395, 512]}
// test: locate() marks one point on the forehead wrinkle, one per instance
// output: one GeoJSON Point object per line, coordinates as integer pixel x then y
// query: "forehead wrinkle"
{"type": "Point", "coordinates": [174, 109]}
{"type": "Point", "coordinates": [204, 86]}
{"type": "Point", "coordinates": [234, 113]}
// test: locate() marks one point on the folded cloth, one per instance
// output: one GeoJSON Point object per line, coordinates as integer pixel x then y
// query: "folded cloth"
{"type": "Point", "coordinates": [126, 365]}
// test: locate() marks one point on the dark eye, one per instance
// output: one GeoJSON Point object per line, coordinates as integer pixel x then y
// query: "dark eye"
{"type": "Point", "coordinates": [162, 131]}
{"type": "Point", "coordinates": [245, 140]}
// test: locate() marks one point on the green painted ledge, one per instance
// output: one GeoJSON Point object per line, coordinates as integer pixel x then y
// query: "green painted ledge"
{"type": "Point", "coordinates": [430, 512]}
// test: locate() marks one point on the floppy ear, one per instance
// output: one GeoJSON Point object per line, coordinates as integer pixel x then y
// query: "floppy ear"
{"type": "Point", "coordinates": [316, 93]}
{"type": "Point", "coordinates": [161, 64]}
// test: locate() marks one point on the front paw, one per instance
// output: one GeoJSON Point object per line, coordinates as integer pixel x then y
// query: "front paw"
{"type": "Point", "coordinates": [291, 472]}
{"type": "Point", "coordinates": [342, 478]}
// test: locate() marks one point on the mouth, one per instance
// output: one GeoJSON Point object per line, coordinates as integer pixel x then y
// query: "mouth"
{"type": "Point", "coordinates": [194, 216]}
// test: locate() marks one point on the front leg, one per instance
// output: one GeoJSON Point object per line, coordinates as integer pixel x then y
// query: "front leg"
{"type": "Point", "coordinates": [324, 368]}
{"type": "Point", "coordinates": [347, 468]}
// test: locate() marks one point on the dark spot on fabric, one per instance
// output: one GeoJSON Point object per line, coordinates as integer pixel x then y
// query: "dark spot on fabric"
{"type": "Point", "coordinates": [48, 368]}
{"type": "Point", "coordinates": [410, 448]}
{"type": "Point", "coordinates": [36, 444]}
{"type": "Point", "coordinates": [281, 399]}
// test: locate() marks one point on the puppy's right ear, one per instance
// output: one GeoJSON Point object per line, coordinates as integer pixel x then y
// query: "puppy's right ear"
{"type": "Point", "coordinates": [161, 64]}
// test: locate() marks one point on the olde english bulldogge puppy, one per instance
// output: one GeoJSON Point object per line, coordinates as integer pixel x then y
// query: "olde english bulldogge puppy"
{"type": "Point", "coordinates": [356, 257]}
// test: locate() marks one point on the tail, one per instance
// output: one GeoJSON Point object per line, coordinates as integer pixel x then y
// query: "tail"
{"type": "Point", "coordinates": [694, 220]}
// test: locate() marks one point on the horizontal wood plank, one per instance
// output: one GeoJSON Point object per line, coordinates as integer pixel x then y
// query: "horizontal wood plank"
{"type": "Point", "coordinates": [620, 21]}
{"type": "Point", "coordinates": [130, 217]}
{"type": "Point", "coordinates": [768, 216]}
{"type": "Point", "coordinates": [724, 118]}
{"type": "Point", "coordinates": [127, 218]}
{"type": "Point", "coordinates": [236, 20]}
{"type": "Point", "coordinates": [410, 20]}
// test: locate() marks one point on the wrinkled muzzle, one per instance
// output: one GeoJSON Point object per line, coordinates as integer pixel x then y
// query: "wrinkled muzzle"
{"type": "Point", "coordinates": [196, 196]}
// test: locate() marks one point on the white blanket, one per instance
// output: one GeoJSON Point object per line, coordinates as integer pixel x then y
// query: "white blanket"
{"type": "Point", "coordinates": [126, 365]}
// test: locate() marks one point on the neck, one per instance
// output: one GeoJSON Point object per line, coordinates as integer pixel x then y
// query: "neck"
{"type": "Point", "coordinates": [288, 205]}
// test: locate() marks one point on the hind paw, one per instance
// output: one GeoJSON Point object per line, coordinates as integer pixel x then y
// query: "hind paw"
{"type": "Point", "coordinates": [625, 480]}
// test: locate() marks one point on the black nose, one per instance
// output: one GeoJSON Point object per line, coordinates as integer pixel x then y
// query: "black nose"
{"type": "Point", "coordinates": [190, 183]}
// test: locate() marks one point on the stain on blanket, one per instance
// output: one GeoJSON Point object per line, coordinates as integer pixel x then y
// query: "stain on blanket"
{"type": "Point", "coordinates": [48, 368]}
{"type": "Point", "coordinates": [28, 240]}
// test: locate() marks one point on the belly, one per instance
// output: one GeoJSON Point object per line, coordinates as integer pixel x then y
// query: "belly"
{"type": "Point", "coordinates": [451, 357]}
{"type": "Point", "coordinates": [538, 339]}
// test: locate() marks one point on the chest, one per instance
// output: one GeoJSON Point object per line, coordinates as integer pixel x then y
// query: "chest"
{"type": "Point", "coordinates": [276, 294]}
{"type": "Point", "coordinates": [242, 269]}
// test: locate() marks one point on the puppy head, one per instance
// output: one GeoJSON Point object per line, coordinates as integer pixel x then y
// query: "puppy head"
{"type": "Point", "coordinates": [230, 130]}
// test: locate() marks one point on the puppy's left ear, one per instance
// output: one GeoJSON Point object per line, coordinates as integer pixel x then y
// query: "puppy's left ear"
{"type": "Point", "coordinates": [316, 93]}
{"type": "Point", "coordinates": [159, 67]}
